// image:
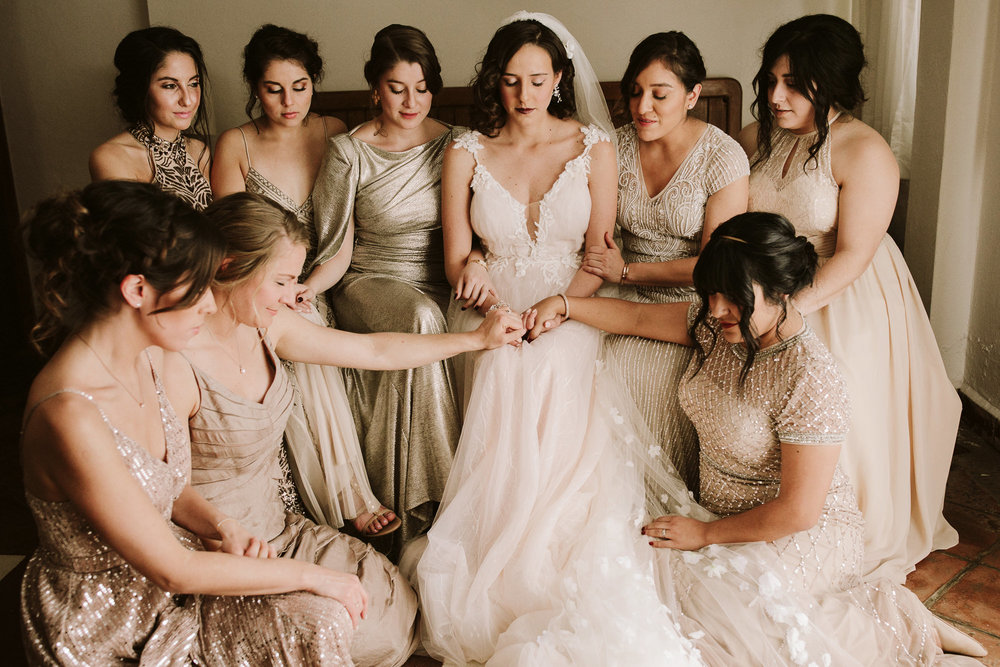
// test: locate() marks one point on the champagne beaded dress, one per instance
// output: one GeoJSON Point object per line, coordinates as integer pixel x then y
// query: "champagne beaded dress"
{"type": "Point", "coordinates": [660, 228]}
{"type": "Point", "coordinates": [793, 394]}
{"type": "Point", "coordinates": [82, 604]}
{"type": "Point", "coordinates": [905, 412]}
{"type": "Point", "coordinates": [235, 445]}
{"type": "Point", "coordinates": [407, 420]}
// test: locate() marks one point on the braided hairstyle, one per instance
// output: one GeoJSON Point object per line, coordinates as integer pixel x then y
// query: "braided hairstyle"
{"type": "Point", "coordinates": [751, 249]}
{"type": "Point", "coordinates": [88, 241]}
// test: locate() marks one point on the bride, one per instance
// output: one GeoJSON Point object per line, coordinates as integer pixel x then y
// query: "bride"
{"type": "Point", "coordinates": [535, 557]}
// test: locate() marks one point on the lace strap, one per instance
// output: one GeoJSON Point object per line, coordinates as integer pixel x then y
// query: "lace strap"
{"type": "Point", "coordinates": [246, 148]}
{"type": "Point", "coordinates": [470, 142]}
{"type": "Point", "coordinates": [592, 134]}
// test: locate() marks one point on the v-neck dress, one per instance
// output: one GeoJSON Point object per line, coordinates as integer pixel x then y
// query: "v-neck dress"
{"type": "Point", "coordinates": [658, 228]}
{"type": "Point", "coordinates": [234, 452]}
{"type": "Point", "coordinates": [904, 409]}
{"type": "Point", "coordinates": [535, 557]}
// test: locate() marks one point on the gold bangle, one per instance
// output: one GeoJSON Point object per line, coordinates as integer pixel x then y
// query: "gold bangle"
{"type": "Point", "coordinates": [624, 273]}
{"type": "Point", "coordinates": [218, 526]}
{"type": "Point", "coordinates": [565, 304]}
{"type": "Point", "coordinates": [482, 263]}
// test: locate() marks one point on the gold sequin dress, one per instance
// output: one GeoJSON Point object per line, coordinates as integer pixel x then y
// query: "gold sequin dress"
{"type": "Point", "coordinates": [407, 420]}
{"type": "Point", "coordinates": [661, 228]}
{"type": "Point", "coordinates": [905, 412]}
{"type": "Point", "coordinates": [81, 604]}
{"type": "Point", "coordinates": [807, 602]}
{"type": "Point", "coordinates": [235, 445]}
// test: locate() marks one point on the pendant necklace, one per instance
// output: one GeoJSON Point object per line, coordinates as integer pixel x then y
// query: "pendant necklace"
{"type": "Point", "coordinates": [141, 400]}
{"type": "Point", "coordinates": [239, 357]}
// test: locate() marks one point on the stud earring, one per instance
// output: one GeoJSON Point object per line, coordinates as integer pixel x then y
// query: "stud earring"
{"type": "Point", "coordinates": [556, 94]}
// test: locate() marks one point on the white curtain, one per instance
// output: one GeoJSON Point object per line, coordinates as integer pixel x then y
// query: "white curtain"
{"type": "Point", "coordinates": [891, 31]}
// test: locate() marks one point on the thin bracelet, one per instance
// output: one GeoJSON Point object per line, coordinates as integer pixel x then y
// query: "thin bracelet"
{"type": "Point", "coordinates": [498, 305]}
{"type": "Point", "coordinates": [218, 526]}
{"type": "Point", "coordinates": [566, 304]}
{"type": "Point", "coordinates": [624, 273]}
{"type": "Point", "coordinates": [482, 263]}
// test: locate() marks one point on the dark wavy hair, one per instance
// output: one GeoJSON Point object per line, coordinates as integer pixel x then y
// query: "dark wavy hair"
{"type": "Point", "coordinates": [488, 114]}
{"type": "Point", "coordinates": [87, 241]}
{"type": "Point", "coordinates": [826, 56]}
{"type": "Point", "coordinates": [748, 249]}
{"type": "Point", "coordinates": [675, 51]}
{"type": "Point", "coordinates": [271, 43]}
{"type": "Point", "coordinates": [138, 56]}
{"type": "Point", "coordinates": [397, 43]}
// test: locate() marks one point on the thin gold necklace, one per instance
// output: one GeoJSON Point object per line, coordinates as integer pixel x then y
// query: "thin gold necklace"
{"type": "Point", "coordinates": [141, 400]}
{"type": "Point", "coordinates": [239, 357]}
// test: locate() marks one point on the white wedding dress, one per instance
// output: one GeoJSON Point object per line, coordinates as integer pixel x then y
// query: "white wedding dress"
{"type": "Point", "coordinates": [536, 557]}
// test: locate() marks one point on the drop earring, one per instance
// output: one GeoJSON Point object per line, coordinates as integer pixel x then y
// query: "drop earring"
{"type": "Point", "coordinates": [556, 94]}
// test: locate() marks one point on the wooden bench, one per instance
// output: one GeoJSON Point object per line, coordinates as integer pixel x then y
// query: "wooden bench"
{"type": "Point", "coordinates": [721, 104]}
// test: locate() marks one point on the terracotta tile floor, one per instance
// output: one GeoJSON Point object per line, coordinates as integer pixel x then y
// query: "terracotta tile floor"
{"type": "Point", "coordinates": [961, 584]}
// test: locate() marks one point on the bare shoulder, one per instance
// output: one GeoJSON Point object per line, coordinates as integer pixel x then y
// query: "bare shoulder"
{"type": "Point", "coordinates": [857, 148]}
{"type": "Point", "coordinates": [178, 382]}
{"type": "Point", "coordinates": [331, 124]}
{"type": "Point", "coordinates": [120, 158]}
{"type": "Point", "coordinates": [748, 138]}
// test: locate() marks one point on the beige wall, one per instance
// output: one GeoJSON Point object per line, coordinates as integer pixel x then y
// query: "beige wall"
{"type": "Point", "coordinates": [55, 81]}
{"type": "Point", "coordinates": [56, 71]}
{"type": "Point", "coordinates": [982, 368]}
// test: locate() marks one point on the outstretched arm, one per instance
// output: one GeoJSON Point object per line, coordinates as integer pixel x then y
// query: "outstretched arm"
{"type": "Point", "coordinates": [659, 321]}
{"type": "Point", "coordinates": [297, 339]}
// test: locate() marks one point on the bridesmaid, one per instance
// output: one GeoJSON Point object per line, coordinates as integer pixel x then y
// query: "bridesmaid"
{"type": "Point", "coordinates": [242, 400]}
{"type": "Point", "coordinates": [158, 90]}
{"type": "Point", "coordinates": [124, 274]}
{"type": "Point", "coordinates": [679, 178]}
{"type": "Point", "coordinates": [836, 179]}
{"type": "Point", "coordinates": [277, 155]}
{"type": "Point", "coordinates": [378, 217]}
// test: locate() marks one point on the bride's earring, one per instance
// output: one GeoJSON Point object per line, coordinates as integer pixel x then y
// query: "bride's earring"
{"type": "Point", "coordinates": [556, 94]}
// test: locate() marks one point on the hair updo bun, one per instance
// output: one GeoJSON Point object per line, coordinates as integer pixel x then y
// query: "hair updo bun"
{"type": "Point", "coordinates": [88, 241]}
{"type": "Point", "coordinates": [753, 249]}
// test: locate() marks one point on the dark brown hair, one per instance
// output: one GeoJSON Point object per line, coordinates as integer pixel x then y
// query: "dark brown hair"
{"type": "Point", "coordinates": [87, 241]}
{"type": "Point", "coordinates": [826, 56]}
{"type": "Point", "coordinates": [675, 51]}
{"type": "Point", "coordinates": [488, 114]}
{"type": "Point", "coordinates": [403, 44]}
{"type": "Point", "coordinates": [271, 43]}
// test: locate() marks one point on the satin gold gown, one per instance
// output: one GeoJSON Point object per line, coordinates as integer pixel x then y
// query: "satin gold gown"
{"type": "Point", "coordinates": [660, 228]}
{"type": "Point", "coordinates": [407, 420]}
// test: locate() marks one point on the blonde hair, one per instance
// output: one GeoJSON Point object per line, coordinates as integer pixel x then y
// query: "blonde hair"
{"type": "Point", "coordinates": [252, 226]}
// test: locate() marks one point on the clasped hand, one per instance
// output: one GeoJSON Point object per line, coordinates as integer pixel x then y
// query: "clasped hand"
{"type": "Point", "coordinates": [238, 541]}
{"type": "Point", "coordinates": [604, 260]}
{"type": "Point", "coordinates": [676, 532]}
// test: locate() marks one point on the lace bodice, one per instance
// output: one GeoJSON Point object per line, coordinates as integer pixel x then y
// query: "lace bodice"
{"type": "Point", "coordinates": [501, 222]}
{"type": "Point", "coordinates": [806, 194]}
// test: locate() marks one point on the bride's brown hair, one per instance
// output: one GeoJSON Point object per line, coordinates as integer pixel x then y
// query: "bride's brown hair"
{"type": "Point", "coordinates": [488, 114]}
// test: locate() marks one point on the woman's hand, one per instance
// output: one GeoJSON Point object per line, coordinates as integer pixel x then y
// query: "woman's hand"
{"type": "Point", "coordinates": [474, 285]}
{"type": "Point", "coordinates": [304, 297]}
{"type": "Point", "coordinates": [676, 532]}
{"type": "Point", "coordinates": [501, 327]}
{"type": "Point", "coordinates": [238, 541]}
{"type": "Point", "coordinates": [342, 587]}
{"type": "Point", "coordinates": [605, 260]}
{"type": "Point", "coordinates": [544, 316]}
